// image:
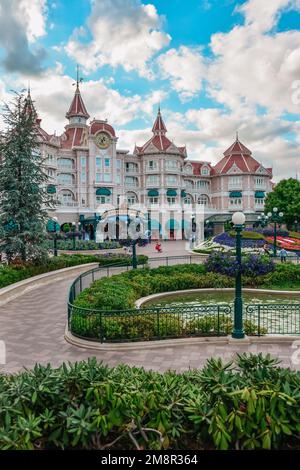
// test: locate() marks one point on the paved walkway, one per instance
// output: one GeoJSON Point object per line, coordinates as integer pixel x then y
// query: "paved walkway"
{"type": "Point", "coordinates": [32, 327]}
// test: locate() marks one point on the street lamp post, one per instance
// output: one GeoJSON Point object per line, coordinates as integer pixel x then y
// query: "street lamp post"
{"type": "Point", "coordinates": [238, 220]}
{"type": "Point", "coordinates": [275, 217]}
{"type": "Point", "coordinates": [134, 256]}
{"type": "Point", "coordinates": [73, 236]}
{"type": "Point", "coordinates": [55, 224]}
{"type": "Point", "coordinates": [262, 221]}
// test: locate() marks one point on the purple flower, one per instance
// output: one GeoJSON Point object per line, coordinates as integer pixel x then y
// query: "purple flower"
{"type": "Point", "coordinates": [252, 265]}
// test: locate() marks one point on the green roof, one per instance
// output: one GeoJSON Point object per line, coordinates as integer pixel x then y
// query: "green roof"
{"type": "Point", "coordinates": [259, 194]}
{"type": "Point", "coordinates": [103, 192]}
{"type": "Point", "coordinates": [235, 194]}
{"type": "Point", "coordinates": [172, 225]}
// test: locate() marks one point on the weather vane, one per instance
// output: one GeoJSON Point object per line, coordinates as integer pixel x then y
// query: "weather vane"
{"type": "Point", "coordinates": [78, 80]}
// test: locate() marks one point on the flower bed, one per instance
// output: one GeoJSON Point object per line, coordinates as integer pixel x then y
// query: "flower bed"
{"type": "Point", "coordinates": [252, 265]}
{"type": "Point", "coordinates": [292, 244]}
{"type": "Point", "coordinates": [227, 240]}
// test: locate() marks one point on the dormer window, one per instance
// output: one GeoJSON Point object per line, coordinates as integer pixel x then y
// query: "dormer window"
{"type": "Point", "coordinates": [204, 170]}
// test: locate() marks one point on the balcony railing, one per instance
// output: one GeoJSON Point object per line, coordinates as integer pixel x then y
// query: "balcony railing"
{"type": "Point", "coordinates": [67, 203]}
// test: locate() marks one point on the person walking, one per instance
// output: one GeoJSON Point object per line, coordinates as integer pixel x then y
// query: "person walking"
{"type": "Point", "coordinates": [158, 247]}
{"type": "Point", "coordinates": [283, 255]}
{"type": "Point", "coordinates": [266, 249]}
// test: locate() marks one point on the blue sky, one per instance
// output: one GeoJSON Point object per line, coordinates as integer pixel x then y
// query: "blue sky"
{"type": "Point", "coordinates": [214, 66]}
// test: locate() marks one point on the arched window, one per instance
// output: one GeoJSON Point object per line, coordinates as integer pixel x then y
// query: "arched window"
{"type": "Point", "coordinates": [203, 200]}
{"type": "Point", "coordinates": [132, 199]}
{"type": "Point", "coordinates": [65, 178]}
{"type": "Point", "coordinates": [65, 163]}
{"type": "Point", "coordinates": [188, 199]}
{"type": "Point", "coordinates": [66, 197]}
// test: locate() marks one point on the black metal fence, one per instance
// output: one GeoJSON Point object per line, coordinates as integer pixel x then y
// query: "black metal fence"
{"type": "Point", "coordinates": [175, 322]}
{"type": "Point", "coordinates": [279, 319]}
{"type": "Point", "coordinates": [151, 323]}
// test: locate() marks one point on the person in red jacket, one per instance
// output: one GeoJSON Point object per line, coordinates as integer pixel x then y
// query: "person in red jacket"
{"type": "Point", "coordinates": [158, 247]}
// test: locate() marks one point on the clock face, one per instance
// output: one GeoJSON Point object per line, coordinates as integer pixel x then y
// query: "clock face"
{"type": "Point", "coordinates": [103, 140]}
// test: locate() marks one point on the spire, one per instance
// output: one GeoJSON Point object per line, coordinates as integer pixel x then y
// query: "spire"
{"type": "Point", "coordinates": [77, 108]}
{"type": "Point", "coordinates": [237, 136]}
{"type": "Point", "coordinates": [29, 106]}
{"type": "Point", "coordinates": [159, 127]}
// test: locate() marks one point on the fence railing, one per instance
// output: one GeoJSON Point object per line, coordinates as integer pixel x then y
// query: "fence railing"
{"type": "Point", "coordinates": [151, 323]}
{"type": "Point", "coordinates": [277, 319]}
{"type": "Point", "coordinates": [175, 322]}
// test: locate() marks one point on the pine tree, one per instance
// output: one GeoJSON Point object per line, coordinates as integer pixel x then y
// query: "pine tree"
{"type": "Point", "coordinates": [23, 199]}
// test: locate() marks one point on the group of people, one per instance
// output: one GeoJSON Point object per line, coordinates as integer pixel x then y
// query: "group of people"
{"type": "Point", "coordinates": [282, 253]}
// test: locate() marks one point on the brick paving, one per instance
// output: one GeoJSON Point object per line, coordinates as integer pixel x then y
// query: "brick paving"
{"type": "Point", "coordinates": [32, 327]}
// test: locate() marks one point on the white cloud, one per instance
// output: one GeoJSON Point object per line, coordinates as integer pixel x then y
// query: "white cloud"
{"type": "Point", "coordinates": [53, 93]}
{"type": "Point", "coordinates": [21, 23]}
{"type": "Point", "coordinates": [263, 15]}
{"type": "Point", "coordinates": [33, 14]}
{"type": "Point", "coordinates": [250, 65]}
{"type": "Point", "coordinates": [124, 32]}
{"type": "Point", "coordinates": [185, 68]}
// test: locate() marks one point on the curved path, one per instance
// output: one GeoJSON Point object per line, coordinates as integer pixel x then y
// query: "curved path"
{"type": "Point", "coordinates": [32, 327]}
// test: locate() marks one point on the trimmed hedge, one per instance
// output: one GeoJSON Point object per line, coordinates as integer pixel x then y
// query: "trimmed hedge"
{"type": "Point", "coordinates": [81, 245]}
{"type": "Point", "coordinates": [249, 235]}
{"type": "Point", "coordinates": [120, 292]}
{"type": "Point", "coordinates": [11, 274]}
{"type": "Point", "coordinates": [250, 404]}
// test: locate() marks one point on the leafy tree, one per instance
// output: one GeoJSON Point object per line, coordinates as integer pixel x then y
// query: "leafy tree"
{"type": "Point", "coordinates": [286, 196]}
{"type": "Point", "coordinates": [23, 201]}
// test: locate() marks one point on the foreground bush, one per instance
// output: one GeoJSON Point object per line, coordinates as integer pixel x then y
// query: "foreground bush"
{"type": "Point", "coordinates": [253, 404]}
{"type": "Point", "coordinates": [11, 274]}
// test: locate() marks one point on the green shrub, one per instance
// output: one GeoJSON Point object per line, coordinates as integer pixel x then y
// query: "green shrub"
{"type": "Point", "coordinates": [81, 245]}
{"type": "Point", "coordinates": [250, 404]}
{"type": "Point", "coordinates": [249, 235]}
{"type": "Point", "coordinates": [11, 274]}
{"type": "Point", "coordinates": [294, 235]}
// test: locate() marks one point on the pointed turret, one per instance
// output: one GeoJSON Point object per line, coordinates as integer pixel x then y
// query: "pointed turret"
{"type": "Point", "coordinates": [29, 106]}
{"type": "Point", "coordinates": [237, 148]}
{"type": "Point", "coordinates": [159, 127]}
{"type": "Point", "coordinates": [159, 142]}
{"type": "Point", "coordinates": [77, 112]}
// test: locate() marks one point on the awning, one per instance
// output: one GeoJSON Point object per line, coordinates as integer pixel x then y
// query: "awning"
{"type": "Point", "coordinates": [51, 189]}
{"type": "Point", "coordinates": [186, 224]}
{"type": "Point", "coordinates": [235, 194]}
{"type": "Point", "coordinates": [172, 225]}
{"type": "Point", "coordinates": [171, 193]}
{"type": "Point", "coordinates": [153, 193]}
{"type": "Point", "coordinates": [183, 193]}
{"type": "Point", "coordinates": [103, 192]}
{"type": "Point", "coordinates": [155, 225]}
{"type": "Point", "coordinates": [52, 226]}
{"type": "Point", "coordinates": [259, 194]}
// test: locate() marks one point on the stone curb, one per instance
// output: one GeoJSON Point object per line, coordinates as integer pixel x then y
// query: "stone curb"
{"type": "Point", "coordinates": [17, 289]}
{"type": "Point", "coordinates": [143, 300]}
{"type": "Point", "coordinates": [204, 340]}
